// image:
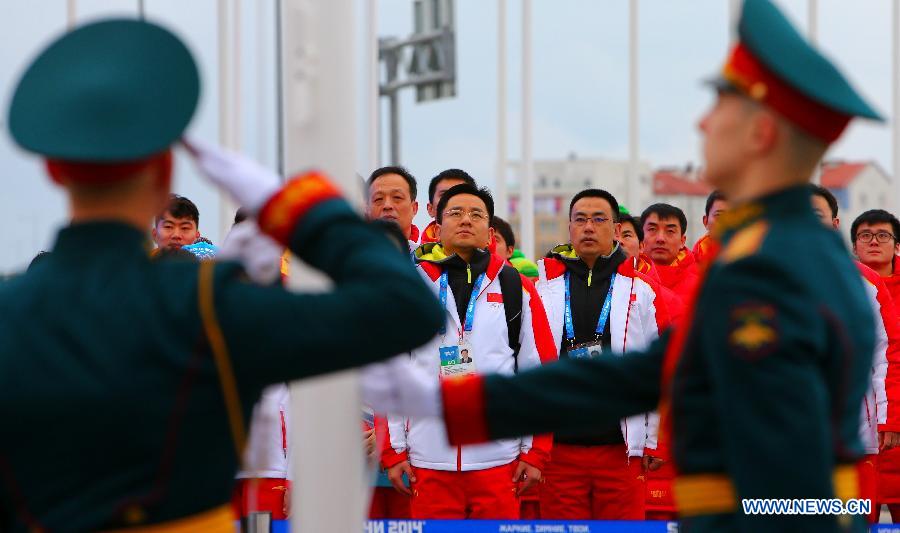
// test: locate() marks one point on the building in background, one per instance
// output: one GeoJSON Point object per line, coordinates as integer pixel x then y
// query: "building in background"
{"type": "Point", "coordinates": [858, 186]}
{"type": "Point", "coordinates": [685, 189]}
{"type": "Point", "coordinates": [557, 181]}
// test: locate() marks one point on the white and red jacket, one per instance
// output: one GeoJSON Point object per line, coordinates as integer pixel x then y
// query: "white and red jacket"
{"type": "Point", "coordinates": [637, 317]}
{"type": "Point", "coordinates": [882, 396]}
{"type": "Point", "coordinates": [423, 441]}
{"type": "Point", "coordinates": [266, 455]}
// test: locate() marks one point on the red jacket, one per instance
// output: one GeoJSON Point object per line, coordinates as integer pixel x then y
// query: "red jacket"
{"type": "Point", "coordinates": [892, 380]}
{"type": "Point", "coordinates": [674, 303]}
{"type": "Point", "coordinates": [702, 248]}
{"type": "Point", "coordinates": [681, 276]}
{"type": "Point", "coordinates": [429, 234]}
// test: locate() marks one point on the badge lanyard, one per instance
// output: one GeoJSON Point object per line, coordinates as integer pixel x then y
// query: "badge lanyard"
{"type": "Point", "coordinates": [604, 313]}
{"type": "Point", "coordinates": [470, 308]}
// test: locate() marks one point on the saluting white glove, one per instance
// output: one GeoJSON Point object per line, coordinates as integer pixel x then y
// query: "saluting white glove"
{"type": "Point", "coordinates": [249, 183]}
{"type": "Point", "coordinates": [400, 387]}
{"type": "Point", "coordinates": [259, 253]}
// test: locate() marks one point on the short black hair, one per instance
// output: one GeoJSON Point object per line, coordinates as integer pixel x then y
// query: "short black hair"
{"type": "Point", "coordinates": [597, 193]}
{"type": "Point", "coordinates": [505, 230]}
{"type": "Point", "coordinates": [465, 188]}
{"type": "Point", "coordinates": [635, 223]}
{"type": "Point", "coordinates": [402, 172]}
{"type": "Point", "coordinates": [180, 207]}
{"type": "Point", "coordinates": [875, 216]}
{"type": "Point", "coordinates": [665, 211]}
{"type": "Point", "coordinates": [818, 190]}
{"type": "Point", "coordinates": [713, 197]}
{"type": "Point", "coordinates": [449, 174]}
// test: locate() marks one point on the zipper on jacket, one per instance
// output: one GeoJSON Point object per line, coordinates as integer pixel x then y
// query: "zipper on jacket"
{"type": "Point", "coordinates": [469, 273]}
{"type": "Point", "coordinates": [590, 272]}
{"type": "Point", "coordinates": [459, 458]}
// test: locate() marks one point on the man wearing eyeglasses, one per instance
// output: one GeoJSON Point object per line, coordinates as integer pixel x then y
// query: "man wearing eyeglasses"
{"type": "Point", "coordinates": [476, 289]}
{"type": "Point", "coordinates": [880, 416]}
{"type": "Point", "coordinates": [598, 306]}
{"type": "Point", "coordinates": [874, 236]}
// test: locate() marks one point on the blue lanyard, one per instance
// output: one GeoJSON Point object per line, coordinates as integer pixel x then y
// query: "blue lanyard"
{"type": "Point", "coordinates": [604, 313]}
{"type": "Point", "coordinates": [470, 308]}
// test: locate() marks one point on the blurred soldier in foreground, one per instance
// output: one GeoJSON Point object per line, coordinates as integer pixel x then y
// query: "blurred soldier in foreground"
{"type": "Point", "coordinates": [126, 384]}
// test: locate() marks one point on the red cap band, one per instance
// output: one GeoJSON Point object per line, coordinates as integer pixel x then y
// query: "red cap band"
{"type": "Point", "coordinates": [749, 75]}
{"type": "Point", "coordinates": [100, 173]}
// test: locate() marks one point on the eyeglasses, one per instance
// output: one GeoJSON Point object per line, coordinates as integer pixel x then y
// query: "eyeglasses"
{"type": "Point", "coordinates": [581, 221]}
{"type": "Point", "coordinates": [457, 213]}
{"type": "Point", "coordinates": [882, 237]}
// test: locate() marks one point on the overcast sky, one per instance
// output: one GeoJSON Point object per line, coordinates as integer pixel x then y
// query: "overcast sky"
{"type": "Point", "coordinates": [580, 88]}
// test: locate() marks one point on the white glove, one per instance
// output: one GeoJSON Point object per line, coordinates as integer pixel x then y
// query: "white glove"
{"type": "Point", "coordinates": [259, 253]}
{"type": "Point", "coordinates": [400, 387]}
{"type": "Point", "coordinates": [248, 182]}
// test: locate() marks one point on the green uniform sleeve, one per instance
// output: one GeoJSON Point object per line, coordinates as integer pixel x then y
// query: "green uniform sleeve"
{"type": "Point", "coordinates": [762, 344]}
{"type": "Point", "coordinates": [379, 306]}
{"type": "Point", "coordinates": [573, 394]}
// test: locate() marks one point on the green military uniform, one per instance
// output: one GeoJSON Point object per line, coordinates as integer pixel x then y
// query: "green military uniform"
{"type": "Point", "coordinates": [762, 384]}
{"type": "Point", "coordinates": [113, 407]}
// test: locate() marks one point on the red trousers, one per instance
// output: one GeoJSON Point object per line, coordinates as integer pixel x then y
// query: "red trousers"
{"type": "Point", "coordinates": [388, 504]}
{"type": "Point", "coordinates": [478, 494]}
{"type": "Point", "coordinates": [592, 483]}
{"type": "Point", "coordinates": [260, 495]}
{"type": "Point", "coordinates": [530, 504]}
{"type": "Point", "coordinates": [659, 501]}
{"type": "Point", "coordinates": [867, 469]}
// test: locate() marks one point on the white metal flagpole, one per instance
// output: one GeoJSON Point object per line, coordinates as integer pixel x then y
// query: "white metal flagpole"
{"type": "Point", "coordinates": [501, 202]}
{"type": "Point", "coordinates": [226, 109]}
{"type": "Point", "coordinates": [372, 97]}
{"type": "Point", "coordinates": [71, 13]}
{"type": "Point", "coordinates": [895, 153]}
{"type": "Point", "coordinates": [633, 100]}
{"type": "Point", "coordinates": [812, 33]}
{"type": "Point", "coordinates": [319, 79]}
{"type": "Point", "coordinates": [526, 179]}
{"type": "Point", "coordinates": [734, 11]}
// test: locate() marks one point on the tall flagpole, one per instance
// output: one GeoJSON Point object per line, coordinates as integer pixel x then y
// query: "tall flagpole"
{"type": "Point", "coordinates": [812, 21]}
{"type": "Point", "coordinates": [812, 33]}
{"type": "Point", "coordinates": [526, 180]}
{"type": "Point", "coordinates": [500, 185]}
{"type": "Point", "coordinates": [372, 98]}
{"type": "Point", "coordinates": [319, 78]}
{"type": "Point", "coordinates": [71, 13]}
{"type": "Point", "coordinates": [225, 88]}
{"type": "Point", "coordinates": [262, 96]}
{"type": "Point", "coordinates": [633, 100]}
{"type": "Point", "coordinates": [895, 153]}
{"type": "Point", "coordinates": [734, 12]}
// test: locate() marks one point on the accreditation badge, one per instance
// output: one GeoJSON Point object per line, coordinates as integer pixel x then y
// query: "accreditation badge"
{"type": "Point", "coordinates": [586, 350]}
{"type": "Point", "coordinates": [456, 360]}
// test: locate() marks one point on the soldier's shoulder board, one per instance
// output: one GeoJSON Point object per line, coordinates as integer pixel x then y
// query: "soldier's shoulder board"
{"type": "Point", "coordinates": [745, 242]}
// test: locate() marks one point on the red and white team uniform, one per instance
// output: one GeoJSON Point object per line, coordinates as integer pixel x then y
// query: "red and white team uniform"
{"type": "Point", "coordinates": [456, 482]}
{"type": "Point", "coordinates": [888, 465]}
{"type": "Point", "coordinates": [604, 482]}
{"type": "Point", "coordinates": [263, 482]}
